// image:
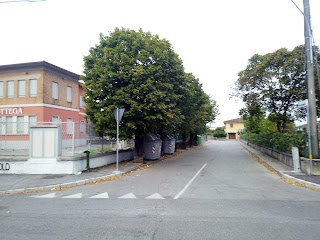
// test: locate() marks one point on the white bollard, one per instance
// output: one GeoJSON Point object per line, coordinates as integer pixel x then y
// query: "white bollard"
{"type": "Point", "coordinates": [296, 159]}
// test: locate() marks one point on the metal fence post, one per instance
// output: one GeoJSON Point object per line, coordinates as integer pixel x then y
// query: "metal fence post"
{"type": "Point", "coordinates": [73, 142]}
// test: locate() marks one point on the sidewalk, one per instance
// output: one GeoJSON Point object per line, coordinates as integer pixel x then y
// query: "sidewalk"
{"type": "Point", "coordinates": [23, 183]}
{"type": "Point", "coordinates": [284, 171]}
{"type": "Point", "coordinates": [19, 183]}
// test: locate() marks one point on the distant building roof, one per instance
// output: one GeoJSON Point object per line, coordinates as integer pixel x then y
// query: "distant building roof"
{"type": "Point", "coordinates": [43, 65]}
{"type": "Point", "coordinates": [236, 120]}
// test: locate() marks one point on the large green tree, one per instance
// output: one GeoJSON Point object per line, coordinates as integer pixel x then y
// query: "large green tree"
{"type": "Point", "coordinates": [273, 83]}
{"type": "Point", "coordinates": [139, 72]}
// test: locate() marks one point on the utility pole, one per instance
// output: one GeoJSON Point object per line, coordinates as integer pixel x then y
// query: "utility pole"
{"type": "Point", "coordinates": [312, 113]}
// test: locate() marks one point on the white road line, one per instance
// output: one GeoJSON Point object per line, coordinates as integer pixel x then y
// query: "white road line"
{"type": "Point", "coordinates": [77, 195]}
{"type": "Point", "coordinates": [155, 196]}
{"type": "Point", "coordinates": [189, 183]}
{"type": "Point", "coordinates": [129, 196]}
{"type": "Point", "coordinates": [49, 195]}
{"type": "Point", "coordinates": [101, 195]}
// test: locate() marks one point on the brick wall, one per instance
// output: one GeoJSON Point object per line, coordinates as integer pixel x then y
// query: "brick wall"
{"type": "Point", "coordinates": [63, 83]}
{"type": "Point", "coordinates": [4, 77]}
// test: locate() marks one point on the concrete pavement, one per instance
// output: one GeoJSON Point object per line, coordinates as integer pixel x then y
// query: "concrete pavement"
{"type": "Point", "coordinates": [16, 183]}
{"type": "Point", "coordinates": [284, 171]}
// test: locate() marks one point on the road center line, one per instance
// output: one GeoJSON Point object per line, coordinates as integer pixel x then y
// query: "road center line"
{"type": "Point", "coordinates": [189, 183]}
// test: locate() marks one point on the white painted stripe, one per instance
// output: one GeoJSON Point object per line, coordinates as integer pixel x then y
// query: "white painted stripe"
{"type": "Point", "coordinates": [189, 183]}
{"type": "Point", "coordinates": [77, 195]}
{"type": "Point", "coordinates": [129, 195]}
{"type": "Point", "coordinates": [50, 195]}
{"type": "Point", "coordinates": [155, 196]}
{"type": "Point", "coordinates": [101, 195]}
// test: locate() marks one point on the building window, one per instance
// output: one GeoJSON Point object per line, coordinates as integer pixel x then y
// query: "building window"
{"type": "Point", "coordinates": [55, 119]}
{"type": "Point", "coordinates": [55, 90]}
{"type": "Point", "coordinates": [20, 124]}
{"type": "Point", "coordinates": [69, 94]}
{"type": "Point", "coordinates": [21, 88]}
{"type": "Point", "coordinates": [10, 89]}
{"type": "Point", "coordinates": [1, 89]}
{"type": "Point", "coordinates": [32, 121]}
{"type": "Point", "coordinates": [70, 126]}
{"type": "Point", "coordinates": [81, 101]}
{"type": "Point", "coordinates": [231, 125]}
{"type": "Point", "coordinates": [82, 126]}
{"type": "Point", "coordinates": [9, 125]}
{"type": "Point", "coordinates": [33, 87]}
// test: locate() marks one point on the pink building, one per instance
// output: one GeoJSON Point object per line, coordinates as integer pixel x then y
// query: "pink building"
{"type": "Point", "coordinates": [38, 92]}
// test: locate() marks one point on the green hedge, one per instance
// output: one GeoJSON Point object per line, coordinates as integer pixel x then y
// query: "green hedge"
{"type": "Point", "coordinates": [280, 141]}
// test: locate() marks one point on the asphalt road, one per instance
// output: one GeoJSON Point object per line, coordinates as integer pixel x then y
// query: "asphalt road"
{"type": "Point", "coordinates": [216, 192]}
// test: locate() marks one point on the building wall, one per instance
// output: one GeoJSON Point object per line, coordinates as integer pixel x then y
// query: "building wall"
{"type": "Point", "coordinates": [232, 128]}
{"type": "Point", "coordinates": [43, 105]}
{"type": "Point", "coordinates": [63, 83]}
{"type": "Point", "coordinates": [27, 76]}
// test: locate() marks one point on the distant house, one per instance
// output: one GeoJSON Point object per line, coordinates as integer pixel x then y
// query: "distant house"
{"type": "Point", "coordinates": [233, 127]}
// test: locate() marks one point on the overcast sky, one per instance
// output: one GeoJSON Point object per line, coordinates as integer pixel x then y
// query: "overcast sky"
{"type": "Point", "coordinates": [214, 38]}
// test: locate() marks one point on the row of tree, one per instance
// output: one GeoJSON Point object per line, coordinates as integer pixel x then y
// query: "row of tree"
{"type": "Point", "coordinates": [141, 73]}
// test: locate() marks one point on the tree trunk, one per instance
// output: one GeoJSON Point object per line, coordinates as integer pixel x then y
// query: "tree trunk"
{"type": "Point", "coordinates": [195, 139]}
{"type": "Point", "coordinates": [138, 142]}
{"type": "Point", "coordinates": [184, 141]}
{"type": "Point", "coordinates": [191, 139]}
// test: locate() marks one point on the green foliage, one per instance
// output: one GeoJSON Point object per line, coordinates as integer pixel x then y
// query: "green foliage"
{"type": "Point", "coordinates": [219, 133]}
{"type": "Point", "coordinates": [197, 108]}
{"type": "Point", "coordinates": [274, 82]}
{"type": "Point", "coordinates": [136, 71]}
{"type": "Point", "coordinates": [252, 116]}
{"type": "Point", "coordinates": [141, 73]}
{"type": "Point", "coordinates": [281, 141]}
{"type": "Point", "coordinates": [268, 136]}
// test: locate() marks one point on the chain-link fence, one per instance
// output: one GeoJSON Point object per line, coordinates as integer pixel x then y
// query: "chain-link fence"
{"type": "Point", "coordinates": [73, 139]}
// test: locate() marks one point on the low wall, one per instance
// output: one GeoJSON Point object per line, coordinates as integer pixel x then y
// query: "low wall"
{"type": "Point", "coordinates": [310, 167]}
{"type": "Point", "coordinates": [307, 166]}
{"type": "Point", "coordinates": [280, 156]}
{"type": "Point", "coordinates": [66, 165]}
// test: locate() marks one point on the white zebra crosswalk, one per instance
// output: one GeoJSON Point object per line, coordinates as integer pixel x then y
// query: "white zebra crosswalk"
{"type": "Point", "coordinates": [101, 195]}
{"type": "Point", "coordinates": [129, 195]}
{"type": "Point", "coordinates": [154, 196]}
{"type": "Point", "coordinates": [77, 195]}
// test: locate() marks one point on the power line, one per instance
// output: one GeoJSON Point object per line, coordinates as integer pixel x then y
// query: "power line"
{"type": "Point", "coordinates": [17, 1]}
{"type": "Point", "coordinates": [297, 7]}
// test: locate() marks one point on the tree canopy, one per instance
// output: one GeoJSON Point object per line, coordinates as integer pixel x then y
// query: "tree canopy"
{"type": "Point", "coordinates": [274, 83]}
{"type": "Point", "coordinates": [141, 73]}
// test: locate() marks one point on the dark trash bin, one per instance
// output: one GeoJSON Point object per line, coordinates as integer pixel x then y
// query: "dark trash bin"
{"type": "Point", "coordinates": [152, 146]}
{"type": "Point", "coordinates": [169, 144]}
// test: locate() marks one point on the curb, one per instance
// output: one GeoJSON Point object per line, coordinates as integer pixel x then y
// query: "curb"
{"type": "Point", "coordinates": [301, 183]}
{"type": "Point", "coordinates": [55, 187]}
{"type": "Point", "coordinates": [297, 181]}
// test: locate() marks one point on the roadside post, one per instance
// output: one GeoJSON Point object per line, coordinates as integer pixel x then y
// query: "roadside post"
{"type": "Point", "coordinates": [304, 104]}
{"type": "Point", "coordinates": [87, 152]}
{"type": "Point", "coordinates": [296, 159]}
{"type": "Point", "coordinates": [118, 113]}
